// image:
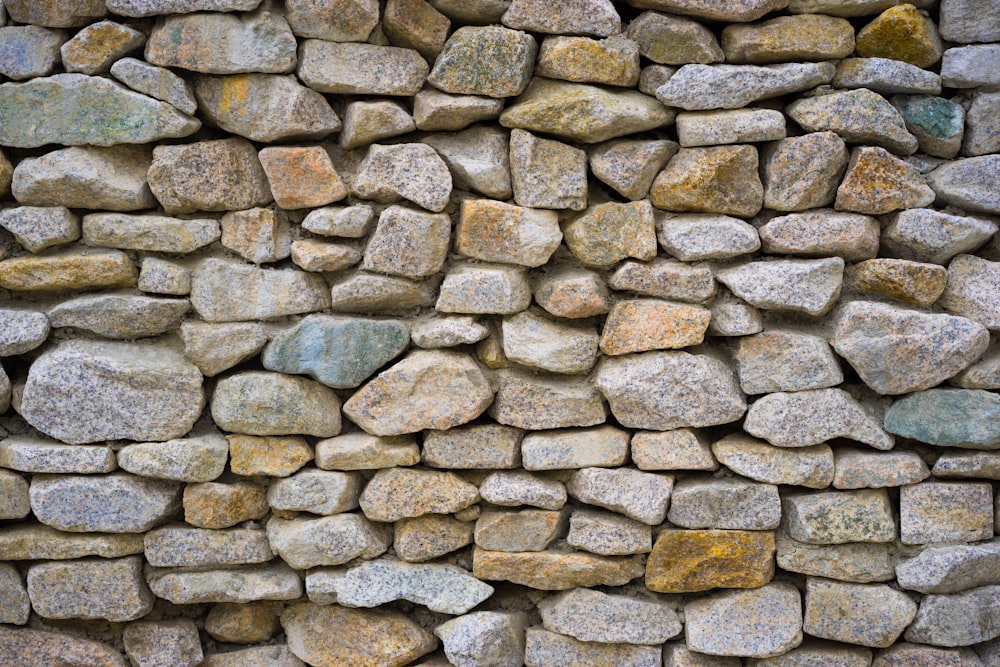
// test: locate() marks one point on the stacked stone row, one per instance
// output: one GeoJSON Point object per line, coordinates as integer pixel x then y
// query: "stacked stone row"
{"type": "Point", "coordinates": [499, 332]}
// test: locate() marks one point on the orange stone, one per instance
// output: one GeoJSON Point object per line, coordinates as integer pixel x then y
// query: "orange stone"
{"type": "Point", "coordinates": [901, 33]}
{"type": "Point", "coordinates": [571, 293]}
{"type": "Point", "coordinates": [687, 561]}
{"type": "Point", "coordinates": [216, 505]}
{"type": "Point", "coordinates": [555, 570]}
{"type": "Point", "coordinates": [301, 177]}
{"type": "Point", "coordinates": [911, 282]}
{"type": "Point", "coordinates": [712, 179]}
{"type": "Point", "coordinates": [878, 182]}
{"type": "Point", "coordinates": [650, 324]}
{"type": "Point", "coordinates": [265, 455]}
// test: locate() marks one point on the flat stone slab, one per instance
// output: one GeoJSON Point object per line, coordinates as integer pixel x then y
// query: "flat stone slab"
{"type": "Point", "coordinates": [229, 291]}
{"type": "Point", "coordinates": [686, 561]}
{"type": "Point", "coordinates": [866, 614]}
{"type": "Point", "coordinates": [960, 619]}
{"type": "Point", "coordinates": [196, 459]}
{"type": "Point", "coordinates": [304, 543]}
{"type": "Point", "coordinates": [185, 546]}
{"type": "Point", "coordinates": [592, 616]}
{"type": "Point", "coordinates": [262, 403]}
{"type": "Point", "coordinates": [549, 648]}
{"type": "Point", "coordinates": [555, 570]}
{"type": "Point", "coordinates": [115, 503]}
{"type": "Point", "coordinates": [858, 562]}
{"type": "Point", "coordinates": [246, 584]}
{"type": "Point", "coordinates": [701, 87]}
{"type": "Point", "coordinates": [37, 455]}
{"type": "Point", "coordinates": [725, 503]}
{"type": "Point", "coordinates": [836, 517]}
{"type": "Point", "coordinates": [967, 418]}
{"type": "Point", "coordinates": [397, 493]}
{"type": "Point", "coordinates": [806, 418]}
{"type": "Point", "coordinates": [31, 541]}
{"type": "Point", "coordinates": [27, 646]}
{"type": "Point", "coordinates": [93, 589]}
{"type": "Point", "coordinates": [484, 639]}
{"type": "Point", "coordinates": [760, 623]}
{"type": "Point", "coordinates": [951, 569]}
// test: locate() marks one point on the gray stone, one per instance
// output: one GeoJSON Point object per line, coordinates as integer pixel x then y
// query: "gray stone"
{"type": "Point", "coordinates": [375, 293]}
{"type": "Point", "coordinates": [806, 418]}
{"type": "Point", "coordinates": [316, 491]}
{"type": "Point", "coordinates": [926, 235]}
{"type": "Point", "coordinates": [436, 331]}
{"type": "Point", "coordinates": [665, 279]}
{"type": "Point", "coordinates": [950, 569]}
{"type": "Point", "coordinates": [798, 285]}
{"type": "Point", "coordinates": [904, 654]}
{"type": "Point", "coordinates": [158, 276]}
{"type": "Point", "coordinates": [15, 502]}
{"type": "Point", "coordinates": [484, 288]}
{"type": "Point", "coordinates": [360, 451]}
{"type": "Point", "coordinates": [971, 66]}
{"type": "Point", "coordinates": [32, 541]}
{"type": "Point", "coordinates": [803, 172]}
{"type": "Point", "coordinates": [21, 331]}
{"type": "Point", "coordinates": [160, 643]}
{"type": "Point", "coordinates": [582, 17]}
{"type": "Point", "coordinates": [342, 21]}
{"type": "Point", "coordinates": [142, 8]}
{"type": "Point", "coordinates": [971, 290]}
{"type": "Point", "coordinates": [348, 221]}
{"type": "Point", "coordinates": [702, 87]}
{"type": "Point", "coordinates": [360, 69]}
{"type": "Point", "coordinates": [365, 122]}
{"type": "Point", "coordinates": [968, 183]}
{"type": "Point", "coordinates": [261, 403]}
{"type": "Point", "coordinates": [484, 639]}
{"type": "Point", "coordinates": [404, 171]}
{"type": "Point", "coordinates": [741, 11]}
{"type": "Point", "coordinates": [838, 517]}
{"type": "Point", "coordinates": [728, 504]}
{"type": "Point", "coordinates": [478, 159]}
{"type": "Point", "coordinates": [37, 228]}
{"type": "Point", "coordinates": [518, 531]}
{"type": "Point", "coordinates": [630, 165]}
{"type": "Point", "coordinates": [546, 173]}
{"type": "Point", "coordinates": [735, 126]}
{"type": "Point", "coordinates": [592, 616]}
{"type": "Point", "coordinates": [157, 82]}
{"type": "Point", "coordinates": [886, 76]}
{"type": "Point", "coordinates": [121, 316]}
{"type": "Point", "coordinates": [115, 503]}
{"type": "Point", "coordinates": [965, 464]}
{"type": "Point", "coordinates": [571, 292]}
{"type": "Point", "coordinates": [227, 291]}
{"type": "Point", "coordinates": [535, 401]}
{"type": "Point", "coordinates": [304, 543]}
{"type": "Point", "coordinates": [574, 448]}
{"type": "Point", "coordinates": [399, 493]}
{"type": "Point", "coordinates": [517, 487]}
{"type": "Point", "coordinates": [246, 584]}
{"type": "Point", "coordinates": [487, 446]}
{"type": "Point", "coordinates": [760, 622]}
{"type": "Point", "coordinates": [960, 619]}
{"type": "Point", "coordinates": [672, 40]}
{"type": "Point", "coordinates": [29, 51]}
{"type": "Point", "coordinates": [856, 469]}
{"type": "Point", "coordinates": [491, 61]}
{"type": "Point", "coordinates": [811, 467]}
{"type": "Point", "coordinates": [15, 607]}
{"type": "Point", "coordinates": [969, 21]}
{"type": "Point", "coordinates": [779, 360]}
{"type": "Point", "coordinates": [608, 534]}
{"type": "Point", "coordinates": [258, 234]}
{"type": "Point", "coordinates": [948, 418]}
{"type": "Point", "coordinates": [982, 132]}
{"type": "Point", "coordinates": [822, 232]}
{"type": "Point", "coordinates": [195, 459]}
{"type": "Point", "coordinates": [638, 495]}
{"type": "Point", "coordinates": [152, 233]}
{"type": "Point", "coordinates": [945, 512]}
{"type": "Point", "coordinates": [36, 455]}
{"type": "Point", "coordinates": [214, 348]}
{"type": "Point", "coordinates": [184, 546]}
{"type": "Point", "coordinates": [536, 341]}
{"type": "Point", "coordinates": [867, 614]}
{"type": "Point", "coordinates": [408, 243]}
{"type": "Point", "coordinates": [549, 649]}
{"type": "Point", "coordinates": [436, 111]}
{"type": "Point", "coordinates": [859, 562]}
{"type": "Point", "coordinates": [428, 537]}
{"type": "Point", "coordinates": [692, 237]}
{"type": "Point", "coordinates": [92, 589]}
{"type": "Point", "coordinates": [20, 644]}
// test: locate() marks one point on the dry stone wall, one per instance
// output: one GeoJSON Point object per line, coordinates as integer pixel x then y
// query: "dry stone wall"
{"type": "Point", "coordinates": [499, 332]}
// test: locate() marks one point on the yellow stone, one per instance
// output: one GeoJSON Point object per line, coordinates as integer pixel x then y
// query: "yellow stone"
{"type": "Point", "coordinates": [243, 623]}
{"type": "Point", "coordinates": [912, 282]}
{"type": "Point", "coordinates": [613, 61]}
{"type": "Point", "coordinates": [265, 455]}
{"type": "Point", "coordinates": [72, 269]}
{"type": "Point", "coordinates": [687, 561]}
{"type": "Point", "coordinates": [649, 324]}
{"type": "Point", "coordinates": [789, 39]}
{"type": "Point", "coordinates": [901, 33]}
{"type": "Point", "coordinates": [218, 505]}
{"type": "Point", "coordinates": [714, 179]}
{"type": "Point", "coordinates": [555, 570]}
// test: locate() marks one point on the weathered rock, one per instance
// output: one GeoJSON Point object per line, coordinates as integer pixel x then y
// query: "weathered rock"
{"type": "Point", "coordinates": [725, 503]}
{"type": "Point", "coordinates": [183, 546]}
{"type": "Point", "coordinates": [950, 569]}
{"type": "Point", "coordinates": [261, 403]}
{"type": "Point", "coordinates": [97, 46]}
{"type": "Point", "coordinates": [592, 616]}
{"type": "Point", "coordinates": [71, 99]}
{"type": "Point", "coordinates": [56, 14]}
{"type": "Point", "coordinates": [436, 111]}
{"type": "Point", "coordinates": [37, 228]}
{"type": "Point", "coordinates": [215, 347]}
{"type": "Point", "coordinates": [536, 341]}
{"type": "Point", "coordinates": [803, 172]}
{"type": "Point", "coordinates": [517, 487]}
{"type": "Point", "coordinates": [404, 171]}
{"type": "Point", "coordinates": [16, 503]}
{"type": "Point", "coordinates": [348, 221]}
{"type": "Point", "coordinates": [743, 10]}
{"type": "Point", "coordinates": [316, 491]}
{"type": "Point", "coordinates": [21, 331]}
{"type": "Point", "coordinates": [981, 125]}
{"type": "Point", "coordinates": [153, 233]}
{"type": "Point", "coordinates": [416, 24]}
{"type": "Point", "coordinates": [217, 505]}
{"type": "Point", "coordinates": [164, 642]}
{"type": "Point", "coordinates": [115, 503]}
{"type": "Point", "coordinates": [317, 256]}
{"type": "Point", "coordinates": [555, 570]}
{"type": "Point", "coordinates": [429, 536]}
{"type": "Point", "coordinates": [887, 77]}
{"type": "Point", "coordinates": [904, 654]}
{"type": "Point", "coordinates": [947, 418]}
{"type": "Point", "coordinates": [638, 495]}
{"type": "Point", "coordinates": [971, 285]}
{"type": "Point", "coordinates": [761, 622]}
{"type": "Point", "coordinates": [960, 619]}
{"type": "Point", "coordinates": [901, 279]}
{"type": "Point", "coordinates": [426, 492]}
{"type": "Point", "coordinates": [74, 268]}
{"type": "Point", "coordinates": [36, 455]}
{"type": "Point", "coordinates": [731, 126]}
{"type": "Point", "coordinates": [788, 38]}
{"type": "Point", "coordinates": [806, 418]}
{"type": "Point", "coordinates": [409, 243]}
{"type": "Point", "coordinates": [629, 166]}
{"type": "Point", "coordinates": [945, 511]}
{"type": "Point", "coordinates": [672, 40]}
{"type": "Point", "coordinates": [495, 231]}
{"type": "Point", "coordinates": [780, 360]}
{"type": "Point", "coordinates": [702, 87]}
{"type": "Point", "coordinates": [691, 237]}
{"type": "Point", "coordinates": [800, 285]}
{"type": "Point", "coordinates": [301, 177]}
{"type": "Point", "coordinates": [490, 60]}
{"type": "Point", "coordinates": [30, 541]}
{"type": "Point", "coordinates": [67, 589]}
{"type": "Point", "coordinates": [159, 276]}
{"type": "Point", "coordinates": [597, 17]}
{"type": "Point", "coordinates": [120, 316]}
{"type": "Point", "coordinates": [374, 293]}
{"type": "Point", "coordinates": [857, 469]}
{"type": "Point", "coordinates": [157, 82]}
{"type": "Point", "coordinates": [860, 562]}
{"type": "Point", "coordinates": [330, 540]}
{"type": "Point", "coordinates": [365, 122]}
{"type": "Point", "coordinates": [613, 61]}
{"type": "Point", "coordinates": [231, 291]}
{"type": "Point", "coordinates": [538, 402]}
{"type": "Point", "coordinates": [822, 232]}
{"type": "Point", "coordinates": [838, 517]}
{"type": "Point", "coordinates": [665, 279]}
{"type": "Point", "coordinates": [937, 123]}
{"type": "Point", "coordinates": [896, 351]}
{"type": "Point", "coordinates": [877, 183]}
{"type": "Point", "coordinates": [685, 561]}
{"type": "Point", "coordinates": [521, 530]}
{"type": "Point", "coordinates": [246, 584]}
{"type": "Point", "coordinates": [574, 448]}
{"type": "Point", "coordinates": [347, 68]}
{"type": "Point", "coordinates": [484, 639]}
{"type": "Point", "coordinates": [867, 614]}
{"type": "Point", "coordinates": [258, 234]}
{"type": "Point", "coordinates": [15, 606]}
{"type": "Point", "coordinates": [344, 21]}
{"type": "Point", "coordinates": [360, 451]}
{"type": "Point", "coordinates": [970, 66]}
{"type": "Point", "coordinates": [195, 459]}
{"type": "Point", "coordinates": [969, 21]}
{"type": "Point", "coordinates": [610, 232]}
{"type": "Point", "coordinates": [547, 174]}
{"type": "Point", "coordinates": [901, 33]}
{"type": "Point", "coordinates": [645, 324]}
{"type": "Point", "coordinates": [716, 179]}
{"type": "Point", "coordinates": [968, 183]}
{"type": "Point", "coordinates": [571, 292]}
{"type": "Point", "coordinates": [679, 449]}
{"type": "Point", "coordinates": [479, 159]}
{"type": "Point", "coordinates": [26, 646]}
{"type": "Point", "coordinates": [143, 8]}
{"type": "Point", "coordinates": [677, 654]}
{"type": "Point", "coordinates": [273, 655]}
{"type": "Point", "coordinates": [858, 116]}
{"type": "Point", "coordinates": [487, 446]}
{"type": "Point", "coordinates": [810, 467]}
{"type": "Point", "coordinates": [549, 648]}
{"type": "Point", "coordinates": [29, 51]}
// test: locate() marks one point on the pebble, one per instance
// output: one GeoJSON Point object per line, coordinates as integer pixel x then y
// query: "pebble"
{"type": "Point", "coordinates": [430, 536]}
{"type": "Point", "coordinates": [73, 268]}
{"type": "Point", "coordinates": [656, 390]}
{"type": "Point", "coordinates": [951, 569]}
{"type": "Point", "coordinates": [246, 584]}
{"type": "Point", "coordinates": [94, 48]}
{"type": "Point", "coordinates": [347, 221]}
{"type": "Point", "coordinates": [857, 469]}
{"type": "Point", "coordinates": [262, 403]}
{"type": "Point", "coordinates": [947, 418]}
{"type": "Point", "coordinates": [968, 183]}
{"type": "Point", "coordinates": [638, 495]}
{"type": "Point", "coordinates": [583, 113]}
{"type": "Point", "coordinates": [572, 293]}
{"type": "Point", "coordinates": [613, 61]}
{"type": "Point", "coordinates": [194, 459]}
{"type": "Point", "coordinates": [937, 123]}
{"type": "Point", "coordinates": [960, 619]}
{"type": "Point", "coordinates": [901, 33]}
{"type": "Point", "coordinates": [479, 159]}
{"type": "Point", "coordinates": [66, 589]}
{"type": "Point", "coordinates": [486, 446]}
{"type": "Point", "coordinates": [374, 293]}
{"type": "Point", "coordinates": [672, 40]}
{"type": "Point", "coordinates": [783, 360]}
{"type": "Point", "coordinates": [221, 505]}
{"type": "Point", "coordinates": [859, 562]}
{"type": "Point", "coordinates": [858, 116]}
{"type": "Point", "coordinates": [517, 487]}
{"type": "Point", "coordinates": [702, 87]}
{"type": "Point", "coordinates": [968, 464]}
{"type": "Point", "coordinates": [440, 587]}
{"type": "Point", "coordinates": [812, 467]}
{"type": "Point", "coordinates": [363, 637]}
{"type": "Point", "coordinates": [924, 348]}
{"type": "Point", "coordinates": [40, 646]}
{"type": "Point", "coordinates": [495, 231]}
{"type": "Point", "coordinates": [877, 183]}
{"type": "Point", "coordinates": [29, 51]}
{"type": "Point", "coordinates": [592, 616]}
{"type": "Point", "coordinates": [518, 530]}
{"type": "Point", "coordinates": [330, 540]}
{"type": "Point", "coordinates": [14, 601]}
{"type": "Point", "coordinates": [174, 642]}
{"type": "Point", "coordinates": [436, 111]}
{"type": "Point", "coordinates": [491, 61]}
{"type": "Point", "coordinates": [21, 331]}
{"type": "Point", "coordinates": [220, 175]}
{"type": "Point", "coordinates": [799, 285]}
{"type": "Point", "coordinates": [886, 77]}
{"type": "Point", "coordinates": [36, 455]}
{"type": "Point", "coordinates": [687, 561]}
{"type": "Point", "coordinates": [223, 43]}
{"type": "Point", "coordinates": [692, 237]}
{"type": "Point", "coordinates": [214, 348]}
{"type": "Point", "coordinates": [316, 491]}
{"type": "Point", "coordinates": [732, 126]}
{"type": "Point", "coordinates": [806, 418]}
{"type": "Point", "coordinates": [366, 122]}
{"type": "Point", "coordinates": [725, 503]}
{"type": "Point", "coordinates": [301, 177]}
{"type": "Point", "coordinates": [759, 623]}
{"type": "Point", "coordinates": [665, 279]}
{"type": "Point", "coordinates": [157, 82]}
{"type": "Point", "coordinates": [677, 449]}
{"type": "Point", "coordinates": [713, 179]}
{"type": "Point", "coordinates": [426, 492]}
{"type": "Point", "coordinates": [32, 541]}
{"type": "Point", "coordinates": [415, 24]}
{"type": "Point", "coordinates": [544, 648]}
{"type": "Point", "coordinates": [408, 243]}
{"type": "Point", "coordinates": [184, 546]}
{"type": "Point", "coordinates": [339, 21]}
{"type": "Point", "coordinates": [37, 228]}
{"type": "Point", "coordinates": [537, 402]}
{"type": "Point", "coordinates": [230, 291]}
{"type": "Point", "coordinates": [153, 233]}
{"type": "Point", "coordinates": [360, 451]}
{"type": "Point", "coordinates": [839, 517]}
{"type": "Point", "coordinates": [646, 324]}
{"type": "Point", "coordinates": [630, 165]}
{"type": "Point", "coordinates": [484, 639]}
{"type": "Point", "coordinates": [788, 38]}
{"type": "Point", "coordinates": [555, 570]}
{"type": "Point", "coordinates": [803, 172]}
{"type": "Point", "coordinates": [866, 614]}
{"type": "Point", "coordinates": [414, 172]}
{"type": "Point", "coordinates": [945, 511]}
{"type": "Point", "coordinates": [926, 235]}
{"type": "Point", "coordinates": [547, 174]}
{"type": "Point", "coordinates": [121, 316]}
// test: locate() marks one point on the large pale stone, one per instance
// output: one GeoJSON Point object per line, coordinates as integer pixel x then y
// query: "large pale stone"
{"type": "Point", "coordinates": [665, 279]}
{"type": "Point", "coordinates": [154, 233]}
{"type": "Point", "coordinates": [430, 536]}
{"type": "Point", "coordinates": [219, 505]}
{"type": "Point", "coordinates": [806, 418]}
{"type": "Point", "coordinates": [360, 451]}
{"type": "Point", "coordinates": [801, 285]}
{"type": "Point", "coordinates": [546, 173]}
{"type": "Point", "coordinates": [214, 348]}
{"type": "Point", "coordinates": [31, 541]}
{"type": "Point", "coordinates": [398, 493]}
{"type": "Point", "coordinates": [360, 69]}
{"type": "Point", "coordinates": [859, 562]}
{"type": "Point", "coordinates": [341, 21]}
{"type": "Point", "coordinates": [724, 503]}
{"type": "Point", "coordinates": [479, 160]}
{"type": "Point", "coordinates": [544, 649]}
{"type": "Point", "coordinates": [968, 183]}
{"type": "Point", "coordinates": [700, 87]}
{"type": "Point", "coordinates": [837, 517]}
{"type": "Point", "coordinates": [538, 401]}
{"type": "Point", "coordinates": [73, 268]}
{"type": "Point", "coordinates": [607, 233]}
{"type": "Point", "coordinates": [23, 646]}
{"type": "Point", "coordinates": [592, 616]}
{"type": "Point", "coordinates": [804, 37]}
{"type": "Point", "coordinates": [759, 623]}
{"type": "Point", "coordinates": [960, 619]}
{"type": "Point", "coordinates": [866, 614]}
{"type": "Point", "coordinates": [487, 446]}
{"type": "Point", "coordinates": [121, 316]}
{"type": "Point", "coordinates": [539, 342]}
{"type": "Point", "coordinates": [555, 570]}
{"type": "Point", "coordinates": [730, 126]}
{"type": "Point", "coordinates": [95, 589]}
{"type": "Point", "coordinates": [950, 569]}
{"type": "Point", "coordinates": [857, 469]}
{"type": "Point", "coordinates": [613, 61]}
{"type": "Point", "coordinates": [266, 655]}
{"type": "Point", "coordinates": [144, 8]}
{"type": "Point", "coordinates": [175, 641]}
{"type": "Point", "coordinates": [316, 491]}
{"type": "Point", "coordinates": [608, 534]}
{"type": "Point", "coordinates": [490, 60]}
{"type": "Point", "coordinates": [822, 232]}
{"type": "Point", "coordinates": [115, 503]}
{"type": "Point", "coordinates": [330, 540]}
{"type": "Point", "coordinates": [50, 456]}
{"type": "Point", "coordinates": [37, 228]}
{"type": "Point", "coordinates": [254, 582]}
{"type": "Point", "coordinates": [738, 11]}
{"type": "Point", "coordinates": [436, 111]}
{"type": "Point", "coordinates": [629, 166]}
{"type": "Point", "coordinates": [971, 290]}
{"type": "Point", "coordinates": [691, 237]}
{"type": "Point", "coordinates": [375, 293]}
{"type": "Point", "coordinates": [645, 324]}
{"type": "Point", "coordinates": [639, 495]}
{"type": "Point", "coordinates": [231, 291]}
{"type": "Point", "coordinates": [414, 172]}
{"type": "Point", "coordinates": [499, 232]}
{"type": "Point", "coordinates": [484, 639]}
{"type": "Point", "coordinates": [261, 403]}
{"type": "Point", "coordinates": [21, 331]}
{"type": "Point", "coordinates": [780, 360]}
{"type": "Point", "coordinates": [858, 116]}
{"type": "Point", "coordinates": [157, 82]}
{"type": "Point", "coordinates": [520, 530]}
{"type": "Point", "coordinates": [811, 467]}
{"type": "Point", "coordinates": [671, 40]}
{"type": "Point", "coordinates": [15, 606]}
{"type": "Point", "coordinates": [517, 487]}
{"type": "Point", "coordinates": [945, 512]}
{"type": "Point", "coordinates": [184, 546]}
{"type": "Point", "coordinates": [803, 172]}
{"type": "Point", "coordinates": [196, 459]}
{"type": "Point", "coordinates": [408, 243]}
{"type": "Point", "coordinates": [686, 561]}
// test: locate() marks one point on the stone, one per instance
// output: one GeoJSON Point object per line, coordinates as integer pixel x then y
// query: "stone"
{"type": "Point", "coordinates": [782, 360]}
{"type": "Point", "coordinates": [701, 87]}
{"type": "Point", "coordinates": [153, 233]}
{"type": "Point", "coordinates": [345, 21]}
{"type": "Point", "coordinates": [274, 655]}
{"type": "Point", "coordinates": [13, 597]}
{"type": "Point", "coordinates": [223, 43]}
{"type": "Point", "coordinates": [408, 243]}
{"type": "Point", "coordinates": [330, 540]}
{"type": "Point", "coordinates": [848, 8]}
{"type": "Point", "coordinates": [436, 111]}
{"type": "Point", "coordinates": [29, 51]}
{"type": "Point", "coordinates": [157, 82]}
{"type": "Point", "coordinates": [685, 561]}
{"type": "Point", "coordinates": [414, 172]}
{"type": "Point", "coordinates": [608, 534]}
{"type": "Point", "coordinates": [479, 159]}
{"type": "Point", "coordinates": [945, 511]}
{"type": "Point", "coordinates": [184, 546]}
{"type": "Point", "coordinates": [937, 123]}
{"type": "Point", "coordinates": [901, 33]}
{"type": "Point", "coordinates": [97, 46]}
{"type": "Point", "coordinates": [812, 467]}
{"type": "Point", "coordinates": [363, 637]}
{"type": "Point", "coordinates": [608, 233]}
{"type": "Point", "coordinates": [520, 530]}
{"type": "Point", "coordinates": [970, 66]}
{"type": "Point", "coordinates": [360, 451]}
{"type": "Point", "coordinates": [597, 17]}
{"type": "Point", "coordinates": [173, 642]}
{"type": "Point", "coordinates": [262, 403]}
{"type": "Point", "coordinates": [745, 10]}
{"type": "Point", "coordinates": [926, 235]}
{"type": "Point", "coordinates": [487, 446]}
{"type": "Point", "coordinates": [672, 40]}
{"type": "Point", "coordinates": [71, 98]}
{"type": "Point", "coordinates": [859, 562]}
{"type": "Point", "coordinates": [112, 178]}
{"type": "Point", "coordinates": [665, 279]}
{"type": "Point", "coordinates": [820, 232]}
{"type": "Point", "coordinates": [731, 126]}
{"type": "Point", "coordinates": [37, 455]}
{"type": "Point", "coordinates": [318, 256]}
{"type": "Point", "coordinates": [950, 569]}
{"type": "Point", "coordinates": [806, 418]}
{"type": "Point", "coordinates": [967, 183]}
{"type": "Point", "coordinates": [571, 293]}
{"type": "Point", "coordinates": [969, 21]}
{"type": "Point", "coordinates": [715, 179]}
{"type": "Point", "coordinates": [592, 616]}
{"type": "Point", "coordinates": [960, 619]}
{"type": "Point", "coordinates": [69, 589]}
{"type": "Point", "coordinates": [536, 341]}
{"type": "Point", "coordinates": [490, 61]}
{"type": "Point", "coordinates": [549, 648]}
{"type": "Point", "coordinates": [430, 536]}
{"type": "Point", "coordinates": [802, 172]}
{"type": "Point", "coordinates": [726, 504]}
{"type": "Point", "coordinates": [360, 69]}
{"type": "Point", "coordinates": [37, 228]}
{"type": "Point", "coordinates": [517, 487]}
{"type": "Point", "coordinates": [838, 517]}
{"type": "Point", "coordinates": [613, 61]}
{"type": "Point", "coordinates": [858, 116]}
{"type": "Point", "coordinates": [646, 324]}
{"type": "Point", "coordinates": [435, 331]}
{"type": "Point", "coordinates": [247, 584]}
{"type": "Point", "coordinates": [426, 492]}
{"type": "Point", "coordinates": [656, 390]}
{"type": "Point", "coordinates": [495, 231]}
{"type": "Point", "coordinates": [547, 174]}
{"type": "Point", "coordinates": [679, 449]}
{"type": "Point", "coordinates": [630, 165]}
{"type": "Point", "coordinates": [866, 614]}
{"type": "Point", "coordinates": [21, 331]}
{"type": "Point", "coordinates": [678, 655]}
{"type": "Point", "coordinates": [374, 293]}
{"type": "Point", "coordinates": [194, 459]}
{"type": "Point", "coordinates": [265, 107]}
{"type": "Point", "coordinates": [120, 316]}
{"type": "Point", "coordinates": [16, 503]}
{"type": "Point", "coordinates": [760, 622]}
{"type": "Point", "coordinates": [87, 391]}
{"type": "Point", "coordinates": [220, 175]}
{"type": "Point", "coordinates": [484, 639]}
{"type": "Point", "coordinates": [220, 505]}
{"type": "Point", "coordinates": [316, 491]}
{"type": "Point", "coordinates": [340, 352]}
{"type": "Point", "coordinates": [981, 375]}
{"type": "Point", "coordinates": [484, 288]}
{"type": "Point", "coordinates": [115, 503]}
{"type": "Point", "coordinates": [856, 469]}
{"type": "Point", "coordinates": [584, 113]}
{"type": "Point", "coordinates": [232, 291]}
{"type": "Point", "coordinates": [798, 285]}
{"type": "Point", "coordinates": [158, 276]}
{"type": "Point", "coordinates": [366, 122]}
{"type": "Point", "coordinates": [910, 655]}
{"type": "Point", "coordinates": [539, 401]}
{"type": "Point", "coordinates": [243, 623]}
{"type": "Point", "coordinates": [73, 268]}
{"type": "Point", "coordinates": [638, 495]}
{"type": "Point", "coordinates": [968, 293]}
{"type": "Point", "coordinates": [555, 570]}
{"type": "Point", "coordinates": [887, 77]}
{"type": "Point", "coordinates": [947, 418]}
{"type": "Point", "coordinates": [31, 541]}
{"type": "Point", "coordinates": [39, 646]}
{"type": "Point", "coordinates": [259, 234]}
{"type": "Point", "coordinates": [788, 38]}
{"type": "Point", "coordinates": [691, 237]}
{"type": "Point", "coordinates": [143, 8]}
{"type": "Point", "coordinates": [981, 126]}
{"type": "Point", "coordinates": [214, 348]}
{"type": "Point", "coordinates": [348, 221]}
{"type": "Point", "coordinates": [924, 348]}
{"type": "Point", "coordinates": [416, 24]}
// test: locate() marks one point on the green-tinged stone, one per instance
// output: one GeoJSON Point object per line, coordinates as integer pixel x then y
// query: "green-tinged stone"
{"type": "Point", "coordinates": [488, 60]}
{"type": "Point", "coordinates": [935, 115]}
{"type": "Point", "coordinates": [340, 352]}
{"type": "Point", "coordinates": [81, 110]}
{"type": "Point", "coordinates": [948, 418]}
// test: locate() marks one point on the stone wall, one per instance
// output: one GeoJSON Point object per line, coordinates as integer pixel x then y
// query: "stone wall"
{"type": "Point", "coordinates": [499, 332]}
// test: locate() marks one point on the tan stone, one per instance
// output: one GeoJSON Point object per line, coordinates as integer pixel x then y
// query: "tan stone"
{"type": "Point", "coordinates": [310, 255]}
{"type": "Point", "coordinates": [23, 646]}
{"type": "Point", "coordinates": [96, 47]}
{"type": "Point", "coordinates": [415, 24]}
{"type": "Point", "coordinates": [910, 282]}
{"type": "Point", "coordinates": [672, 40]}
{"type": "Point", "coordinates": [301, 177]}
{"type": "Point", "coordinates": [70, 269]}
{"type": "Point", "coordinates": [686, 561]}
{"type": "Point", "coordinates": [367, 121]}
{"type": "Point", "coordinates": [247, 623]}
{"type": "Point", "coordinates": [648, 324]}
{"type": "Point", "coordinates": [424, 538]}
{"type": "Point", "coordinates": [608, 233]}
{"type": "Point", "coordinates": [788, 39]}
{"type": "Point", "coordinates": [397, 493]}
{"type": "Point", "coordinates": [901, 33]}
{"type": "Point", "coordinates": [613, 61]}
{"type": "Point", "coordinates": [218, 505]}
{"type": "Point", "coordinates": [715, 179]}
{"type": "Point", "coordinates": [500, 232]}
{"type": "Point", "coordinates": [272, 456]}
{"type": "Point", "coordinates": [31, 541]}
{"type": "Point", "coordinates": [555, 570]}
